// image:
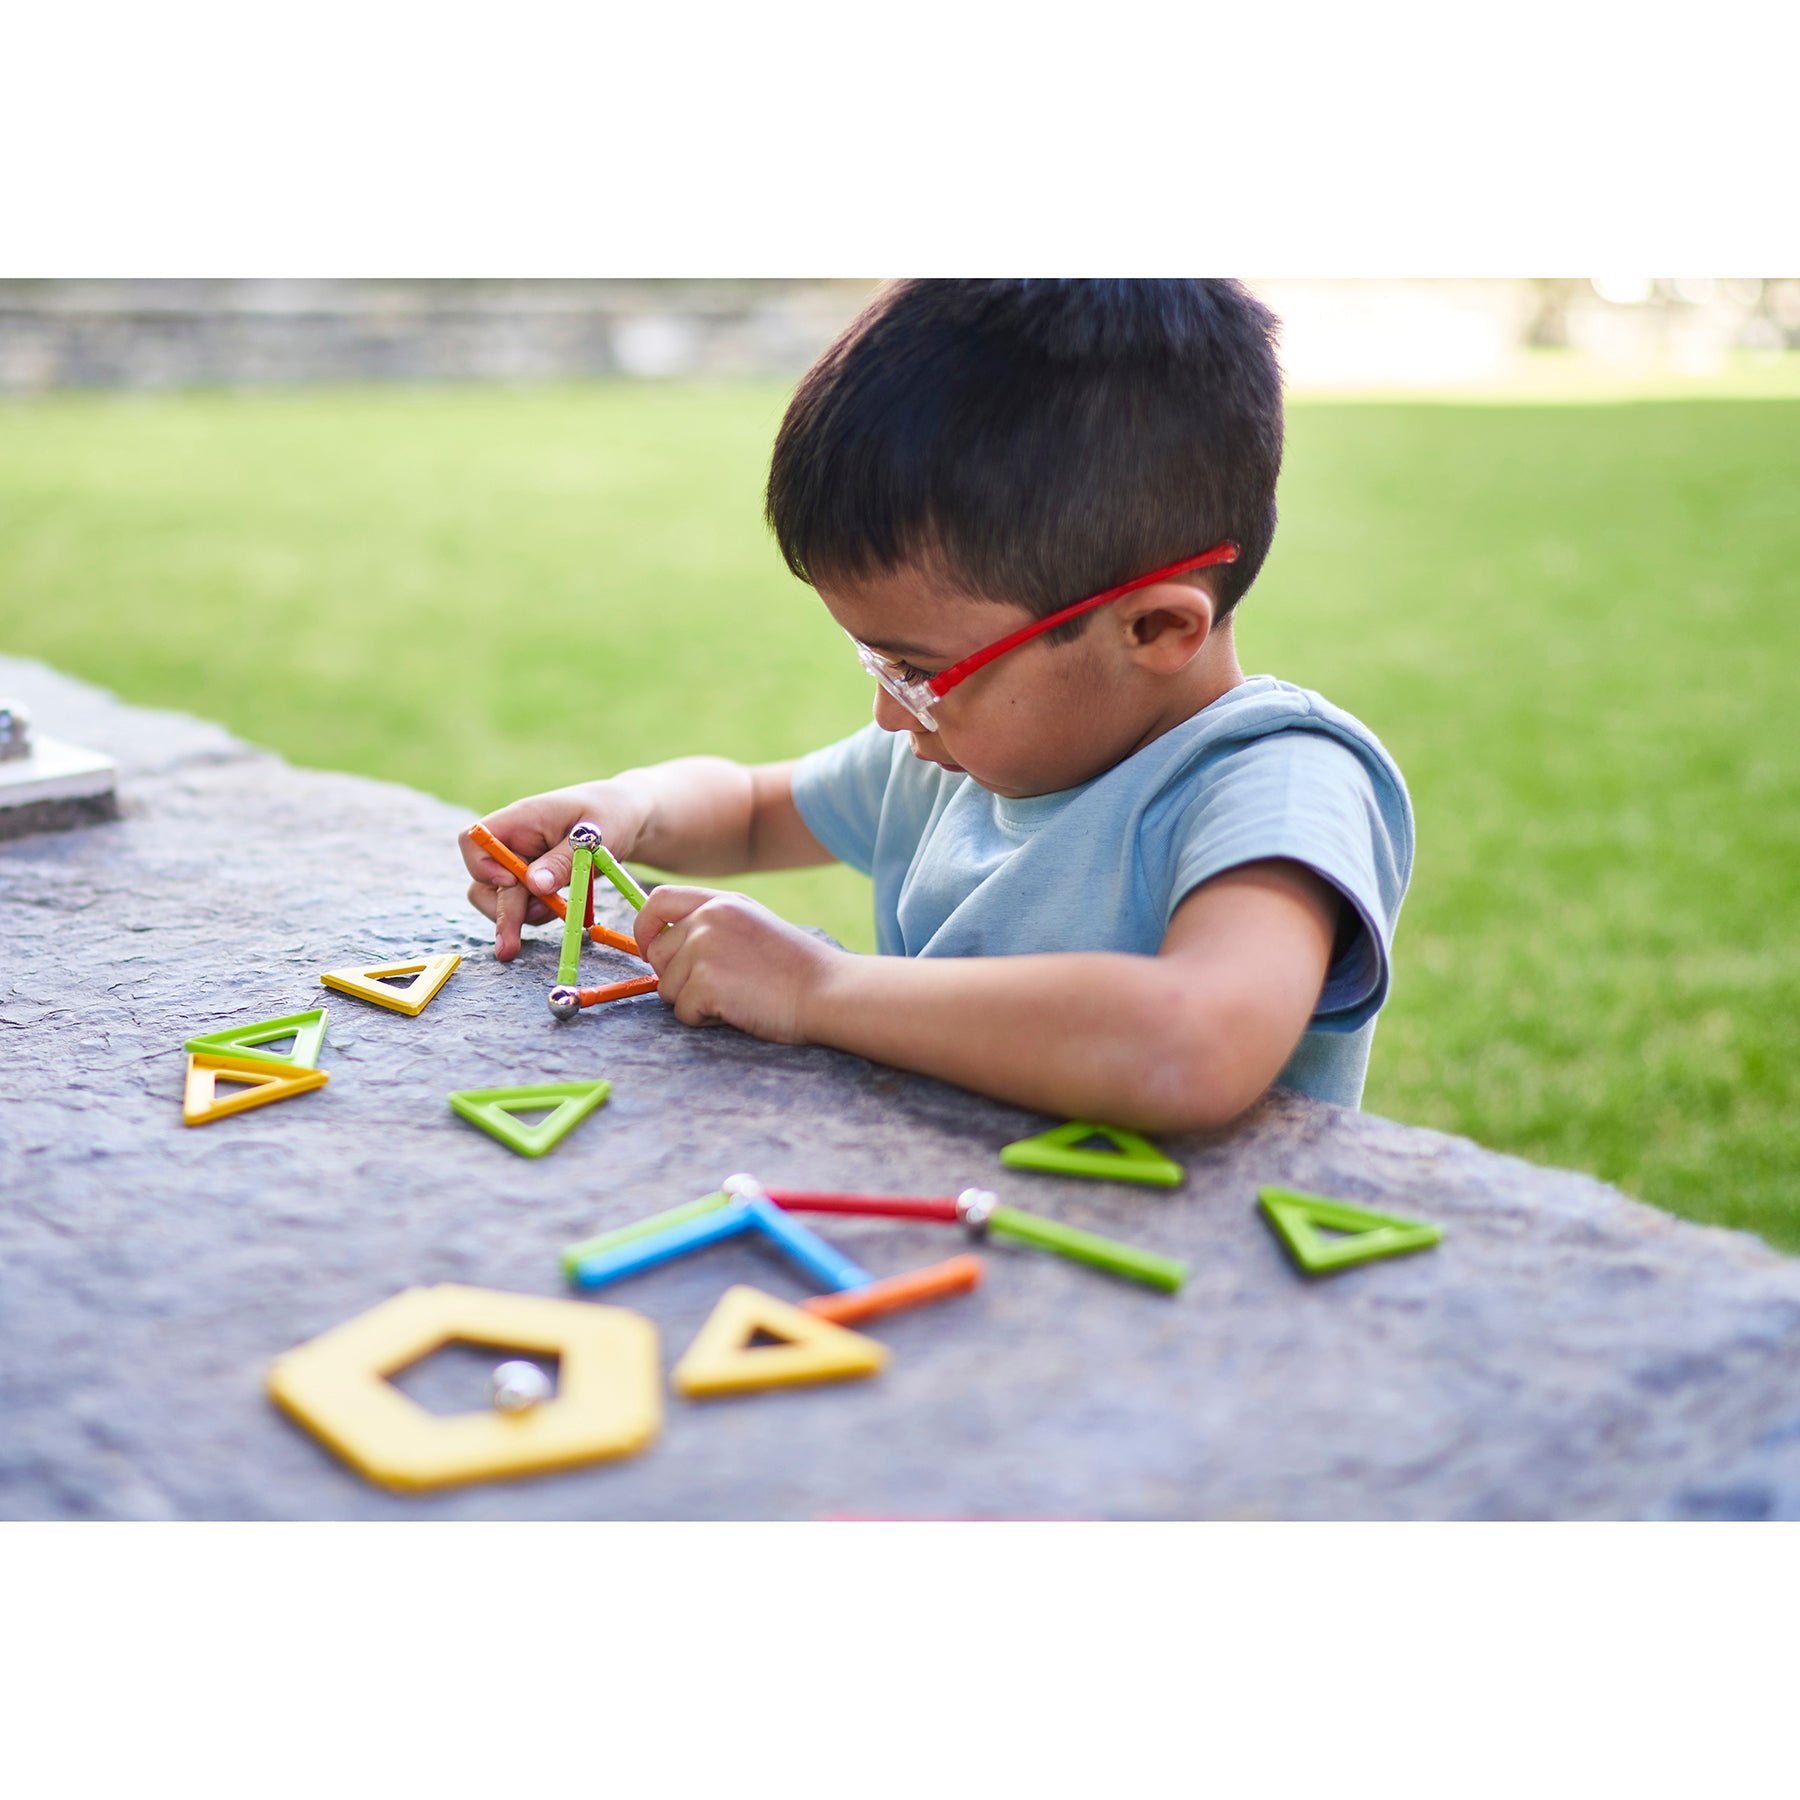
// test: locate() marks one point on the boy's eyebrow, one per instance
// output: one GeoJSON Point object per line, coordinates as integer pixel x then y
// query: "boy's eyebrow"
{"type": "Point", "coordinates": [889, 647]}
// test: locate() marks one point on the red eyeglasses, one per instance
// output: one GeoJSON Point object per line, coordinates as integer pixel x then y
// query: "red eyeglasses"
{"type": "Point", "coordinates": [917, 691]}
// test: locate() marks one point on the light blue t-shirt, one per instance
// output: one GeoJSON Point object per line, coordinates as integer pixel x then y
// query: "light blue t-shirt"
{"type": "Point", "coordinates": [1267, 770]}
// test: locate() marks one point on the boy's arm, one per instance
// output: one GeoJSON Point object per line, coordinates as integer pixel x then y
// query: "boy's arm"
{"type": "Point", "coordinates": [1183, 1040]}
{"type": "Point", "coordinates": [703, 815]}
{"type": "Point", "coordinates": [698, 815]}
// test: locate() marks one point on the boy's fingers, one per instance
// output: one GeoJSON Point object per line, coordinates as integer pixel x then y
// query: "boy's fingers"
{"type": "Point", "coordinates": [509, 916]}
{"type": "Point", "coordinates": [502, 905]}
{"type": "Point", "coordinates": [479, 864]}
{"type": "Point", "coordinates": [668, 977]}
{"type": "Point", "coordinates": [693, 1006]}
{"type": "Point", "coordinates": [549, 873]}
{"type": "Point", "coordinates": [671, 955]}
{"type": "Point", "coordinates": [667, 905]}
{"type": "Point", "coordinates": [482, 866]}
{"type": "Point", "coordinates": [510, 907]}
{"type": "Point", "coordinates": [658, 944]}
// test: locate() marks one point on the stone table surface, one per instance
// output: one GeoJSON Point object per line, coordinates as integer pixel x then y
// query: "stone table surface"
{"type": "Point", "coordinates": [1566, 1352]}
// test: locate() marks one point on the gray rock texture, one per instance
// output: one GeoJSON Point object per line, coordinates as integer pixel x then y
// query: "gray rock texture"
{"type": "Point", "coordinates": [1565, 1353]}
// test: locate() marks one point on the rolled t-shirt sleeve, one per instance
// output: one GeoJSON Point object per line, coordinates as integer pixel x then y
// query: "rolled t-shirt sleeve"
{"type": "Point", "coordinates": [1311, 797]}
{"type": "Point", "coordinates": [839, 791]}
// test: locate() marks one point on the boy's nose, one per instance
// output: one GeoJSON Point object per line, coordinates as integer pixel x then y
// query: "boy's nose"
{"type": "Point", "coordinates": [890, 715]}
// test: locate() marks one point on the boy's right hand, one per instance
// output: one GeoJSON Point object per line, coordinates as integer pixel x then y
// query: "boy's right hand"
{"type": "Point", "coordinates": [537, 829]}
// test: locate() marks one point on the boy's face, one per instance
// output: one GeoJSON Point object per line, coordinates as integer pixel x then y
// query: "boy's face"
{"type": "Point", "coordinates": [1036, 720]}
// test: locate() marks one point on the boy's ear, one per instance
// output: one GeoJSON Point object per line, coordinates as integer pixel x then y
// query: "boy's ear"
{"type": "Point", "coordinates": [1167, 625]}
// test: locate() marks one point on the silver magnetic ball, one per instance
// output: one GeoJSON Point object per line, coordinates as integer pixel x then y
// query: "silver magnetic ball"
{"type": "Point", "coordinates": [975, 1206]}
{"type": "Point", "coordinates": [518, 1387]}
{"type": "Point", "coordinates": [563, 1002]}
{"type": "Point", "coordinates": [742, 1187]}
{"type": "Point", "coordinates": [15, 731]}
{"type": "Point", "coordinates": [585, 836]}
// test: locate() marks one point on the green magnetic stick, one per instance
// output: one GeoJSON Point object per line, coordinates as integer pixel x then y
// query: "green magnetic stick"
{"type": "Point", "coordinates": [1088, 1247]}
{"type": "Point", "coordinates": [609, 866]}
{"type": "Point", "coordinates": [610, 1240]}
{"type": "Point", "coordinates": [581, 875]}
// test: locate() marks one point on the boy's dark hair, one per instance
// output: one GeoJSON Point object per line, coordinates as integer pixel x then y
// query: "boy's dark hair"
{"type": "Point", "coordinates": [1035, 441]}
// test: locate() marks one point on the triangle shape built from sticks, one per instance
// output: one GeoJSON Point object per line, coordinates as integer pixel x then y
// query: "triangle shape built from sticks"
{"type": "Point", "coordinates": [493, 1108]}
{"type": "Point", "coordinates": [1297, 1219]}
{"type": "Point", "coordinates": [258, 1081]}
{"type": "Point", "coordinates": [429, 973]}
{"type": "Point", "coordinates": [307, 1029]}
{"type": "Point", "coordinates": [1058, 1152]}
{"type": "Point", "coordinates": [725, 1358]}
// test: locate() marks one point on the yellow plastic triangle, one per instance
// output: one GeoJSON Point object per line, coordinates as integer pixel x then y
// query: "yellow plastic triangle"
{"type": "Point", "coordinates": [259, 1081]}
{"type": "Point", "coordinates": [429, 974]}
{"type": "Point", "coordinates": [721, 1360]}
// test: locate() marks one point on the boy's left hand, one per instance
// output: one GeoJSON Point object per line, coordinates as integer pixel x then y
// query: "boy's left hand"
{"type": "Point", "coordinates": [723, 959]}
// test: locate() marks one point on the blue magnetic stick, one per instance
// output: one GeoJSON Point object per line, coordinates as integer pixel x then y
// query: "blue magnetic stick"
{"type": "Point", "coordinates": [661, 1247]}
{"type": "Point", "coordinates": [830, 1268]}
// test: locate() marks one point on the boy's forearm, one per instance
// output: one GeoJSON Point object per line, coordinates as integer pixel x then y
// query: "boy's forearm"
{"type": "Point", "coordinates": [705, 815]}
{"type": "Point", "coordinates": [690, 815]}
{"type": "Point", "coordinates": [1092, 1034]}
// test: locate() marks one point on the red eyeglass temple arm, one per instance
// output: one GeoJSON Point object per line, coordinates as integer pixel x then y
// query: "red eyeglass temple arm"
{"type": "Point", "coordinates": [941, 684]}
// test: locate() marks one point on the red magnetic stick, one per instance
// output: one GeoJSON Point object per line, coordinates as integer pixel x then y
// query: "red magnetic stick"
{"type": "Point", "coordinates": [874, 1206]}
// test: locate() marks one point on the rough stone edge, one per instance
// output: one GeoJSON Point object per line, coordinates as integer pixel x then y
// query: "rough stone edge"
{"type": "Point", "coordinates": [1422, 1142]}
{"type": "Point", "coordinates": [37, 816]}
{"type": "Point", "coordinates": [99, 719]}
{"type": "Point", "coordinates": [115, 725]}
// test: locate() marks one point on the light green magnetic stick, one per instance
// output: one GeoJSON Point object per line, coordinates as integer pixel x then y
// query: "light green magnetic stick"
{"type": "Point", "coordinates": [1087, 1247]}
{"type": "Point", "coordinates": [610, 867]}
{"type": "Point", "coordinates": [581, 874]}
{"type": "Point", "coordinates": [611, 1240]}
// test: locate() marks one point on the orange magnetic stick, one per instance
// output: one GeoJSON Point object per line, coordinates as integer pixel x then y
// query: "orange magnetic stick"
{"type": "Point", "coordinates": [938, 1282]}
{"type": "Point", "coordinates": [517, 869]}
{"type": "Point", "coordinates": [617, 990]}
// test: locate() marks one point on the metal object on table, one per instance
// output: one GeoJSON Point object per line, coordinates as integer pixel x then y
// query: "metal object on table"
{"type": "Point", "coordinates": [516, 1387]}
{"type": "Point", "coordinates": [47, 785]}
{"type": "Point", "coordinates": [975, 1207]}
{"type": "Point", "coordinates": [15, 731]}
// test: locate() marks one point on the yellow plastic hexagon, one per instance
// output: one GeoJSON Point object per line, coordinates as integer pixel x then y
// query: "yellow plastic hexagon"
{"type": "Point", "coordinates": [608, 1399]}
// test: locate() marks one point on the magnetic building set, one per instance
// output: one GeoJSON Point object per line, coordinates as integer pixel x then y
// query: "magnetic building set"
{"type": "Point", "coordinates": [607, 1399]}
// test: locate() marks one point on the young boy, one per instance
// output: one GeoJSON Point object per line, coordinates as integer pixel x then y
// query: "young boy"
{"type": "Point", "coordinates": [1114, 878]}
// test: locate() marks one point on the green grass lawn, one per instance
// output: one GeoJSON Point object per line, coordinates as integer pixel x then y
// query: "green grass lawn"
{"type": "Point", "coordinates": [1576, 626]}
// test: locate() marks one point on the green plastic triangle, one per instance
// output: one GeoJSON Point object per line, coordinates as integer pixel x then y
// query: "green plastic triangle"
{"type": "Point", "coordinates": [1296, 1218]}
{"type": "Point", "coordinates": [1133, 1158]}
{"type": "Point", "coordinates": [493, 1108]}
{"type": "Point", "coordinates": [307, 1029]}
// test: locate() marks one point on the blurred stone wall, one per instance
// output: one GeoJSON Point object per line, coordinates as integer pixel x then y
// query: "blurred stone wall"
{"type": "Point", "coordinates": [154, 334]}
{"type": "Point", "coordinates": [1690, 321]}
{"type": "Point", "coordinates": [1451, 334]}
{"type": "Point", "coordinates": [1336, 334]}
